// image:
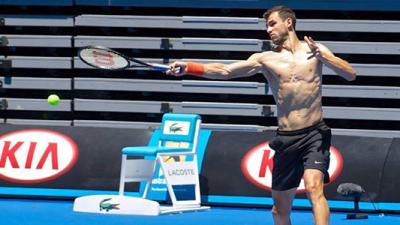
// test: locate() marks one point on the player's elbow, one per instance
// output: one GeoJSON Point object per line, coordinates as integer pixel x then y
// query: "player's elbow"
{"type": "Point", "coordinates": [349, 74]}
{"type": "Point", "coordinates": [222, 77]}
{"type": "Point", "coordinates": [352, 75]}
{"type": "Point", "coordinates": [224, 73]}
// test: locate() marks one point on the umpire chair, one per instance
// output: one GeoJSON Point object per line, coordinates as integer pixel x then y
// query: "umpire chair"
{"type": "Point", "coordinates": [177, 139]}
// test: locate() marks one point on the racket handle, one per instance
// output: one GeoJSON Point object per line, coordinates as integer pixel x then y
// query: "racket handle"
{"type": "Point", "coordinates": [160, 67]}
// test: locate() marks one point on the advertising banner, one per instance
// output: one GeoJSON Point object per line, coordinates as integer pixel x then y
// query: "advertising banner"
{"type": "Point", "coordinates": [64, 157]}
{"type": "Point", "coordinates": [235, 167]}
{"type": "Point", "coordinates": [239, 165]}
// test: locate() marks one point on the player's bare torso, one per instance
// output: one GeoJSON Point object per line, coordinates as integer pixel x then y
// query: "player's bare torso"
{"type": "Point", "coordinates": [295, 81]}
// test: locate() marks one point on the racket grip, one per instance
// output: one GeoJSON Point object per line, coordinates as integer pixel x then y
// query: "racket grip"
{"type": "Point", "coordinates": [160, 67]}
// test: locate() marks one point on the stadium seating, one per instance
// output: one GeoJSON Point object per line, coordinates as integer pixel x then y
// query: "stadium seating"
{"type": "Point", "coordinates": [48, 63]}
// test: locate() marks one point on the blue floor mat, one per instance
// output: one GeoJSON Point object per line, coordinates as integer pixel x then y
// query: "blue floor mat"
{"type": "Point", "coordinates": [52, 212]}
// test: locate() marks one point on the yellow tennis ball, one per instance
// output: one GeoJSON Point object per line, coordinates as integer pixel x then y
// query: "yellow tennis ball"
{"type": "Point", "coordinates": [53, 100]}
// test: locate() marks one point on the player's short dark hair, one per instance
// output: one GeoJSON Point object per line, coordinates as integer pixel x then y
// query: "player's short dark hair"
{"type": "Point", "coordinates": [283, 11]}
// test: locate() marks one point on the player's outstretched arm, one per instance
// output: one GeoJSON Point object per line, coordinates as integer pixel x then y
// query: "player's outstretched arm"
{"type": "Point", "coordinates": [218, 71]}
{"type": "Point", "coordinates": [340, 66]}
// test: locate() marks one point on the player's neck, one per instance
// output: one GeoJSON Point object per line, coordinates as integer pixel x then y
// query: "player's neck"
{"type": "Point", "coordinates": [292, 43]}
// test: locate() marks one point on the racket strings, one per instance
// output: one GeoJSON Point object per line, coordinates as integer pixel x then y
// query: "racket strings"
{"type": "Point", "coordinates": [103, 58]}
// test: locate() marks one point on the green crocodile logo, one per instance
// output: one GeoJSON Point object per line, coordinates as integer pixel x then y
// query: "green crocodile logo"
{"type": "Point", "coordinates": [174, 128]}
{"type": "Point", "coordinates": [105, 205]}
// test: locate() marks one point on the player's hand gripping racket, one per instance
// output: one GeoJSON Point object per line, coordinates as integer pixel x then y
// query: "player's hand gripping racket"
{"type": "Point", "coordinates": [108, 59]}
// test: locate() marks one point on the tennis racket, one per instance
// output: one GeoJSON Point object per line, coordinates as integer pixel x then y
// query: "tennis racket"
{"type": "Point", "coordinates": [108, 59]}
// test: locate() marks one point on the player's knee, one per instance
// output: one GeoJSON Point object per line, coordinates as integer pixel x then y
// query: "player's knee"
{"type": "Point", "coordinates": [314, 190]}
{"type": "Point", "coordinates": [280, 211]}
{"type": "Point", "coordinates": [275, 211]}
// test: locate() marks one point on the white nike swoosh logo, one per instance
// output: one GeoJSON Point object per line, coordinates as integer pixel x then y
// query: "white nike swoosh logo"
{"type": "Point", "coordinates": [316, 162]}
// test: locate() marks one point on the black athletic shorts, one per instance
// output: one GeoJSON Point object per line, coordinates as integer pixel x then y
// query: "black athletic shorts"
{"type": "Point", "coordinates": [298, 150]}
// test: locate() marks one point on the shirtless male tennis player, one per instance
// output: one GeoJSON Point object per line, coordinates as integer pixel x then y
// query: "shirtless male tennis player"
{"type": "Point", "coordinates": [294, 74]}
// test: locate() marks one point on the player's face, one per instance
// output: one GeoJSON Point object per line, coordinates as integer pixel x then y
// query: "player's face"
{"type": "Point", "coordinates": [277, 29]}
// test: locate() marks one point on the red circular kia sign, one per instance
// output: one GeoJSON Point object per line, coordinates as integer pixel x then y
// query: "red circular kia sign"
{"type": "Point", "coordinates": [34, 155]}
{"type": "Point", "coordinates": [257, 166]}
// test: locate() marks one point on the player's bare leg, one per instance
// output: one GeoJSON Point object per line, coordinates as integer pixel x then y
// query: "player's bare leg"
{"type": "Point", "coordinates": [282, 206]}
{"type": "Point", "coordinates": [314, 184]}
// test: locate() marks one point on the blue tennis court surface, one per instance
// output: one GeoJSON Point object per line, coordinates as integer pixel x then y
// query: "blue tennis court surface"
{"type": "Point", "coordinates": [55, 212]}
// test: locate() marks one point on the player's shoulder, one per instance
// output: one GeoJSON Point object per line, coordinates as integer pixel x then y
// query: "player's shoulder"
{"type": "Point", "coordinates": [261, 55]}
{"type": "Point", "coordinates": [319, 44]}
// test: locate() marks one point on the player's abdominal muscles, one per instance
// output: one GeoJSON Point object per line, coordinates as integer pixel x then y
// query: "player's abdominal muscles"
{"type": "Point", "coordinates": [299, 119]}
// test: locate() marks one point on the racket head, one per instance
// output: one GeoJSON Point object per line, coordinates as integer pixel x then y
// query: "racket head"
{"type": "Point", "coordinates": [103, 58]}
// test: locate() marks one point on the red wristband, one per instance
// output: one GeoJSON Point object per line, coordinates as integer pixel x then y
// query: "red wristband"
{"type": "Point", "coordinates": [196, 69]}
